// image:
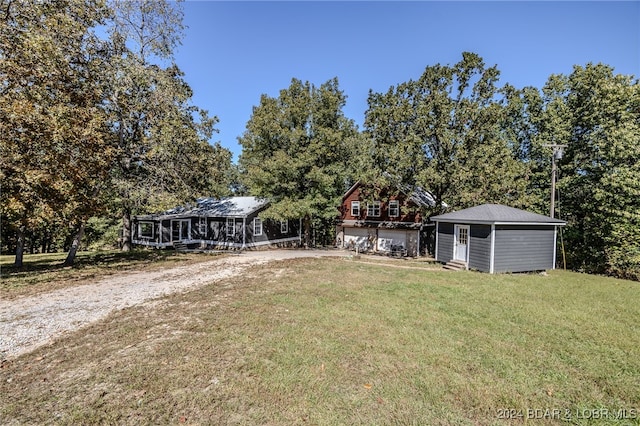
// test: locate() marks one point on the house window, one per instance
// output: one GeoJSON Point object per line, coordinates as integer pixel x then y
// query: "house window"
{"type": "Point", "coordinates": [355, 208]}
{"type": "Point", "coordinates": [394, 208]}
{"type": "Point", "coordinates": [284, 226]}
{"type": "Point", "coordinates": [203, 227]}
{"type": "Point", "coordinates": [231, 227]}
{"type": "Point", "coordinates": [257, 226]}
{"type": "Point", "coordinates": [373, 209]}
{"type": "Point", "coordinates": [145, 229]}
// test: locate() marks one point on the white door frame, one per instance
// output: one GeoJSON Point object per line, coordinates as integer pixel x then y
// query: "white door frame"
{"type": "Point", "coordinates": [457, 245]}
{"type": "Point", "coordinates": [179, 224]}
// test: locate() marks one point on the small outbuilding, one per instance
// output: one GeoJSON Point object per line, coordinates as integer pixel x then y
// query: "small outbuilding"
{"type": "Point", "coordinates": [495, 238]}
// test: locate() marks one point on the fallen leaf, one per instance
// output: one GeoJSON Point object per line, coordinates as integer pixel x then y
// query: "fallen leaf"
{"type": "Point", "coordinates": [367, 385]}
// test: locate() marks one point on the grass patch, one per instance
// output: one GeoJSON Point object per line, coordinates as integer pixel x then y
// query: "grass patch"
{"type": "Point", "coordinates": [330, 341]}
{"type": "Point", "coordinates": [45, 272]}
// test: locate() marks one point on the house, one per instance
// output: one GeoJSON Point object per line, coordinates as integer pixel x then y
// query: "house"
{"type": "Point", "coordinates": [392, 224]}
{"type": "Point", "coordinates": [495, 238]}
{"type": "Point", "coordinates": [231, 222]}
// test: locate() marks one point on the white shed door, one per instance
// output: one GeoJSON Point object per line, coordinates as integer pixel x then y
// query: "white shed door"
{"type": "Point", "coordinates": [461, 243]}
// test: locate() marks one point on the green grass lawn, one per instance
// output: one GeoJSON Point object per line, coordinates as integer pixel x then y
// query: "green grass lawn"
{"type": "Point", "coordinates": [326, 342]}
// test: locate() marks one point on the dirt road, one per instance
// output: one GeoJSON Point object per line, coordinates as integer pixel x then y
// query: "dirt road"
{"type": "Point", "coordinates": [29, 322]}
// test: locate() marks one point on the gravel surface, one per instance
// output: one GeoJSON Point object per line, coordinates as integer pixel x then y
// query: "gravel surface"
{"type": "Point", "coordinates": [29, 322]}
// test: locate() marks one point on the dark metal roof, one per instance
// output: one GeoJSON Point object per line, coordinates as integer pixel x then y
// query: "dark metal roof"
{"type": "Point", "coordinates": [496, 214]}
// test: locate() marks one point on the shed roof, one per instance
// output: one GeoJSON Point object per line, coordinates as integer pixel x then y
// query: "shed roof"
{"type": "Point", "coordinates": [215, 207]}
{"type": "Point", "coordinates": [496, 214]}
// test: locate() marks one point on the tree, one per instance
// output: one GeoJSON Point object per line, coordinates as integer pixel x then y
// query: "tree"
{"type": "Point", "coordinates": [163, 154]}
{"type": "Point", "coordinates": [600, 184]}
{"type": "Point", "coordinates": [295, 152]}
{"type": "Point", "coordinates": [444, 132]}
{"type": "Point", "coordinates": [54, 147]}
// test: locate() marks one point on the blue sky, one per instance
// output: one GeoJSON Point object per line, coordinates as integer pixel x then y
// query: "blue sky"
{"type": "Point", "coordinates": [233, 52]}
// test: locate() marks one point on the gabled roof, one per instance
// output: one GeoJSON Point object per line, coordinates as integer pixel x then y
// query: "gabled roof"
{"type": "Point", "coordinates": [215, 207]}
{"type": "Point", "coordinates": [496, 214]}
{"type": "Point", "coordinates": [417, 195]}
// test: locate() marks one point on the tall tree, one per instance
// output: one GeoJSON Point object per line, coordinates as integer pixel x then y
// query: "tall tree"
{"type": "Point", "coordinates": [600, 184]}
{"type": "Point", "coordinates": [444, 132]}
{"type": "Point", "coordinates": [54, 144]}
{"type": "Point", "coordinates": [162, 140]}
{"type": "Point", "coordinates": [294, 152]}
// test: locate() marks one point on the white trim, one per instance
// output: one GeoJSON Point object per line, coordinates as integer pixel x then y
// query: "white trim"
{"type": "Point", "coordinates": [353, 204]}
{"type": "Point", "coordinates": [437, 232]}
{"type": "Point", "coordinates": [233, 227]}
{"type": "Point", "coordinates": [456, 229]}
{"type": "Point", "coordinates": [280, 240]}
{"type": "Point", "coordinates": [256, 221]}
{"type": "Point", "coordinates": [397, 208]}
{"type": "Point", "coordinates": [372, 207]}
{"type": "Point", "coordinates": [244, 232]}
{"type": "Point", "coordinates": [215, 243]}
{"type": "Point", "coordinates": [153, 229]}
{"type": "Point", "coordinates": [486, 222]}
{"type": "Point", "coordinates": [555, 247]}
{"type": "Point", "coordinates": [493, 250]}
{"type": "Point", "coordinates": [188, 236]}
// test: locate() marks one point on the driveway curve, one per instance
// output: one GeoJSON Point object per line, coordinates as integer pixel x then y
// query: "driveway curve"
{"type": "Point", "coordinates": [29, 322]}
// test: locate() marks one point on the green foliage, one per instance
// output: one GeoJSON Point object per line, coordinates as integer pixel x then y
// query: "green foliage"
{"type": "Point", "coordinates": [443, 132]}
{"type": "Point", "coordinates": [600, 183]}
{"type": "Point", "coordinates": [163, 154]}
{"type": "Point", "coordinates": [295, 150]}
{"type": "Point", "coordinates": [55, 150]}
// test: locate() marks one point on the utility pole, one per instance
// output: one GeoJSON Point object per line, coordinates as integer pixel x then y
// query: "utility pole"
{"type": "Point", "coordinates": [558, 150]}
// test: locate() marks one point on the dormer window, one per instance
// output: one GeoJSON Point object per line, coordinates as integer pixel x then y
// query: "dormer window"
{"type": "Point", "coordinates": [373, 209]}
{"type": "Point", "coordinates": [355, 208]}
{"type": "Point", "coordinates": [394, 208]}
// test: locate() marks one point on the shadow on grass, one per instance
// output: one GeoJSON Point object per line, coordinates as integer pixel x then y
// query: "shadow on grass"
{"type": "Point", "coordinates": [52, 262]}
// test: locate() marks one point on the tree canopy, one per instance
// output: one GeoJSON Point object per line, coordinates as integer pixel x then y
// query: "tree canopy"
{"type": "Point", "coordinates": [443, 132]}
{"type": "Point", "coordinates": [294, 151]}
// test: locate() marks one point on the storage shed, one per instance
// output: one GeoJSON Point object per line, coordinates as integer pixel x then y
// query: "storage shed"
{"type": "Point", "coordinates": [495, 238]}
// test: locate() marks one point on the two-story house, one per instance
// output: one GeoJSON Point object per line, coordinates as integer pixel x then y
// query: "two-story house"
{"type": "Point", "coordinates": [392, 224]}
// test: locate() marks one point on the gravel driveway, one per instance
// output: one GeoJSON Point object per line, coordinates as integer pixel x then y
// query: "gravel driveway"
{"type": "Point", "coordinates": [29, 322]}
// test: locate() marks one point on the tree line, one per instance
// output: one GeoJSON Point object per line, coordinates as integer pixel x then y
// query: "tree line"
{"type": "Point", "coordinates": [458, 133]}
{"type": "Point", "coordinates": [96, 126]}
{"type": "Point", "coordinates": [96, 129]}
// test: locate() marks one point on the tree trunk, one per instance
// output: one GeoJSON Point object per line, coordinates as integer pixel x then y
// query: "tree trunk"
{"type": "Point", "coordinates": [19, 248]}
{"type": "Point", "coordinates": [71, 256]}
{"type": "Point", "coordinates": [307, 231]}
{"type": "Point", "coordinates": [126, 230]}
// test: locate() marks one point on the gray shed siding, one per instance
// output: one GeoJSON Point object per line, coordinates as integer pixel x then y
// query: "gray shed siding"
{"type": "Point", "coordinates": [522, 248]}
{"type": "Point", "coordinates": [445, 242]}
{"type": "Point", "coordinates": [480, 247]}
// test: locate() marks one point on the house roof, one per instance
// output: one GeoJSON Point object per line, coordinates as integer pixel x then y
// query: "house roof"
{"type": "Point", "coordinates": [417, 195]}
{"type": "Point", "coordinates": [215, 207]}
{"type": "Point", "coordinates": [496, 214]}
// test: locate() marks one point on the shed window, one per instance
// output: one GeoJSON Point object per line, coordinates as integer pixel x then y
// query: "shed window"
{"type": "Point", "coordinates": [231, 227]}
{"type": "Point", "coordinates": [373, 209]}
{"type": "Point", "coordinates": [355, 208]}
{"type": "Point", "coordinates": [394, 208]}
{"type": "Point", "coordinates": [257, 226]}
{"type": "Point", "coordinates": [145, 229]}
{"type": "Point", "coordinates": [284, 226]}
